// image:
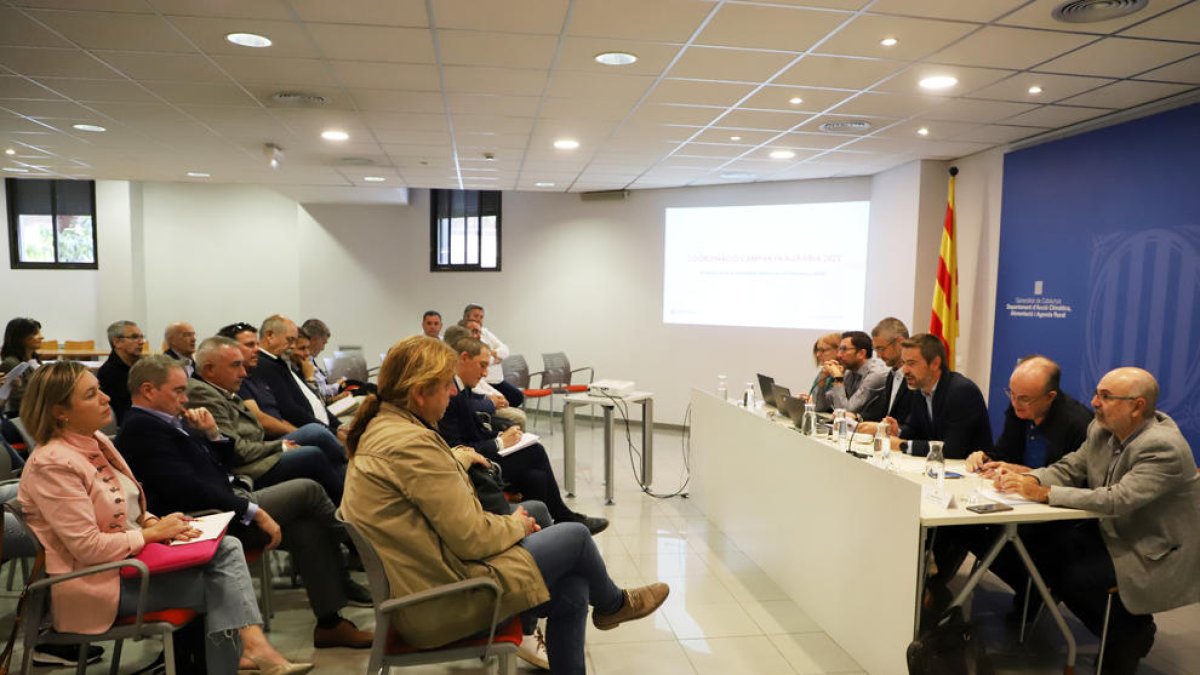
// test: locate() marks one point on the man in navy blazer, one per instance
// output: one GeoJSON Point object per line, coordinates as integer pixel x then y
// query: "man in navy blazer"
{"type": "Point", "coordinates": [527, 469]}
{"type": "Point", "coordinates": [277, 334]}
{"type": "Point", "coordinates": [895, 400]}
{"type": "Point", "coordinates": [180, 458]}
{"type": "Point", "coordinates": [946, 406]}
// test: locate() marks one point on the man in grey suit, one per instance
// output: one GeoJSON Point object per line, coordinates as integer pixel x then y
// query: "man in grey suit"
{"type": "Point", "coordinates": [1136, 467]}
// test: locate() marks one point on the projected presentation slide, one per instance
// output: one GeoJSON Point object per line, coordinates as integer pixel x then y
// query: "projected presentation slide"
{"type": "Point", "coordinates": [780, 266]}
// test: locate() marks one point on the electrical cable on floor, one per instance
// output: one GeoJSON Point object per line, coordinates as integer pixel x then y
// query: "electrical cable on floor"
{"type": "Point", "coordinates": [635, 453]}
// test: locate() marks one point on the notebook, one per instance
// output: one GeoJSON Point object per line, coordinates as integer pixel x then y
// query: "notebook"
{"type": "Point", "coordinates": [178, 555]}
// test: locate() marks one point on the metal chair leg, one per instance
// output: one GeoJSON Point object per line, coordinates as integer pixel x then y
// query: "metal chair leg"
{"type": "Point", "coordinates": [507, 665]}
{"type": "Point", "coordinates": [169, 652]}
{"type": "Point", "coordinates": [1104, 634]}
{"type": "Point", "coordinates": [116, 657]}
{"type": "Point", "coordinates": [81, 665]}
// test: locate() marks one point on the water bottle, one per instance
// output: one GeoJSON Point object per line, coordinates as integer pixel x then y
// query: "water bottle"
{"type": "Point", "coordinates": [883, 445]}
{"type": "Point", "coordinates": [935, 466]}
{"type": "Point", "coordinates": [808, 423]}
{"type": "Point", "coordinates": [748, 396]}
{"type": "Point", "coordinates": [841, 430]}
{"type": "Point", "coordinates": [722, 388]}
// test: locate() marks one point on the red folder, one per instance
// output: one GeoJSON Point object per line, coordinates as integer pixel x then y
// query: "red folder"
{"type": "Point", "coordinates": [162, 558]}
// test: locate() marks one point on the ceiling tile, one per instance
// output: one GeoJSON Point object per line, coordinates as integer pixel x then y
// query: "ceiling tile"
{"type": "Point", "coordinates": [676, 114]}
{"type": "Point", "coordinates": [1118, 57]}
{"type": "Point", "coordinates": [969, 79]}
{"type": "Point", "coordinates": [726, 135]}
{"type": "Point", "coordinates": [101, 30]}
{"type": "Point", "coordinates": [126, 6]}
{"type": "Point", "coordinates": [997, 133]}
{"type": "Point", "coordinates": [728, 151]}
{"type": "Point", "coordinates": [1015, 48]}
{"type": "Point", "coordinates": [1055, 116]}
{"type": "Point", "coordinates": [575, 108]}
{"type": "Point", "coordinates": [19, 87]}
{"type": "Point", "coordinates": [1037, 15]}
{"type": "Point", "coordinates": [1187, 70]}
{"type": "Point", "coordinates": [1178, 24]}
{"type": "Point", "coordinates": [769, 120]}
{"type": "Point", "coordinates": [370, 12]}
{"type": "Point", "coordinates": [773, 97]}
{"type": "Point", "coordinates": [497, 125]}
{"type": "Point", "coordinates": [201, 94]}
{"type": "Point", "coordinates": [45, 109]}
{"type": "Point", "coordinates": [18, 30]}
{"type": "Point", "coordinates": [837, 72]}
{"type": "Point", "coordinates": [1054, 87]}
{"type": "Point", "coordinates": [975, 10]}
{"type": "Point", "coordinates": [658, 21]}
{"type": "Point", "coordinates": [151, 66]}
{"type": "Point", "coordinates": [621, 88]}
{"type": "Point", "coordinates": [699, 92]}
{"type": "Point", "coordinates": [915, 37]}
{"type": "Point", "coordinates": [208, 33]}
{"type": "Point", "coordinates": [579, 53]}
{"type": "Point", "coordinates": [873, 104]}
{"type": "Point", "coordinates": [494, 104]}
{"type": "Point", "coordinates": [511, 16]}
{"type": "Point", "coordinates": [373, 43]}
{"type": "Point", "coordinates": [1127, 94]}
{"type": "Point", "coordinates": [968, 110]}
{"type": "Point", "coordinates": [815, 140]}
{"type": "Point", "coordinates": [275, 11]}
{"type": "Point", "coordinates": [38, 62]}
{"type": "Point", "coordinates": [280, 71]}
{"type": "Point", "coordinates": [711, 63]}
{"type": "Point", "coordinates": [470, 79]}
{"type": "Point", "coordinates": [120, 91]}
{"type": "Point", "coordinates": [473, 48]}
{"type": "Point", "coordinates": [420, 77]}
{"type": "Point", "coordinates": [397, 101]}
{"type": "Point", "coordinates": [907, 132]}
{"type": "Point", "coordinates": [768, 27]}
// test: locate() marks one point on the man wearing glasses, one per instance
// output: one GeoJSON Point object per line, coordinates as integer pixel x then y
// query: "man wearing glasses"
{"type": "Point", "coordinates": [858, 378]}
{"type": "Point", "coordinates": [1137, 468]}
{"type": "Point", "coordinates": [896, 398]}
{"type": "Point", "coordinates": [127, 341]}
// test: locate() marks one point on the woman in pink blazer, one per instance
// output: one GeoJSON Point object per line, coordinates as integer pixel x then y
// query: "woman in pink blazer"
{"type": "Point", "coordinates": [86, 508]}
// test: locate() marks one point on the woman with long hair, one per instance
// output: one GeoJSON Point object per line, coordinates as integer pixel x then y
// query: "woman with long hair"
{"type": "Point", "coordinates": [22, 338]}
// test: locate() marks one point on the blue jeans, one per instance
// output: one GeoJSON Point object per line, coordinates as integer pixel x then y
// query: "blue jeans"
{"type": "Point", "coordinates": [307, 462]}
{"type": "Point", "coordinates": [575, 573]}
{"type": "Point", "coordinates": [319, 436]}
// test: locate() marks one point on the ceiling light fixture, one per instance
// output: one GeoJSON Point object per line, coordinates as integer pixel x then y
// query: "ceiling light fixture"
{"type": "Point", "coordinates": [1035, 90]}
{"type": "Point", "coordinates": [249, 40]}
{"type": "Point", "coordinates": [888, 42]}
{"type": "Point", "coordinates": [10, 151]}
{"type": "Point", "coordinates": [936, 82]}
{"type": "Point", "coordinates": [15, 169]}
{"type": "Point", "coordinates": [274, 155]}
{"type": "Point", "coordinates": [566, 144]}
{"type": "Point", "coordinates": [335, 135]}
{"type": "Point", "coordinates": [616, 58]}
{"type": "Point", "coordinates": [198, 174]}
{"type": "Point", "coordinates": [795, 100]}
{"type": "Point", "coordinates": [374, 179]}
{"type": "Point", "coordinates": [88, 127]}
{"type": "Point", "coordinates": [923, 131]}
{"type": "Point", "coordinates": [737, 175]}
{"type": "Point", "coordinates": [735, 138]}
{"type": "Point", "coordinates": [782, 154]}
{"type": "Point", "coordinates": [543, 184]}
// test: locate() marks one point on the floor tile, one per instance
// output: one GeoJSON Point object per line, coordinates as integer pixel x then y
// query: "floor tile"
{"type": "Point", "coordinates": [777, 617]}
{"type": "Point", "coordinates": [640, 658]}
{"type": "Point", "coordinates": [692, 622]}
{"type": "Point", "coordinates": [814, 653]}
{"type": "Point", "coordinates": [736, 656]}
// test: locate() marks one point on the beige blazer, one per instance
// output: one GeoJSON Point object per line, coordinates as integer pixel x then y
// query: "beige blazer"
{"type": "Point", "coordinates": [410, 495]}
{"type": "Point", "coordinates": [255, 456]}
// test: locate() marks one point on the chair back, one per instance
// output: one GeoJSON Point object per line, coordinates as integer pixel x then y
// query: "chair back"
{"type": "Point", "coordinates": [557, 369]}
{"type": "Point", "coordinates": [30, 444]}
{"type": "Point", "coordinates": [38, 601]}
{"type": "Point", "coordinates": [79, 344]}
{"type": "Point", "coordinates": [351, 365]}
{"type": "Point", "coordinates": [381, 589]}
{"type": "Point", "coordinates": [48, 346]}
{"type": "Point", "coordinates": [516, 371]}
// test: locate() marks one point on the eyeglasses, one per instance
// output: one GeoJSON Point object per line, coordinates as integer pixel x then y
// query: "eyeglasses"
{"type": "Point", "coordinates": [1109, 398]}
{"type": "Point", "coordinates": [135, 337]}
{"type": "Point", "coordinates": [1023, 400]}
{"type": "Point", "coordinates": [843, 348]}
{"type": "Point", "coordinates": [234, 328]}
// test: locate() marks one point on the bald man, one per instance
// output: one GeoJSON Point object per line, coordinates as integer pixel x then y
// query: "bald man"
{"type": "Point", "coordinates": [1137, 468]}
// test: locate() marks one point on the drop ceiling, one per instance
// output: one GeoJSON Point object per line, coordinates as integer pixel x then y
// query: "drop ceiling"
{"type": "Point", "coordinates": [427, 90]}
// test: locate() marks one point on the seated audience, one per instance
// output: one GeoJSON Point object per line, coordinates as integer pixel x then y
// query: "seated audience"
{"type": "Point", "coordinates": [431, 324]}
{"type": "Point", "coordinates": [180, 338]}
{"type": "Point", "coordinates": [278, 333]}
{"type": "Point", "coordinates": [858, 379]}
{"type": "Point", "coordinates": [947, 406]}
{"type": "Point", "coordinates": [178, 455]}
{"type": "Point", "coordinates": [83, 503]}
{"type": "Point", "coordinates": [318, 336]}
{"type": "Point", "coordinates": [1136, 468]}
{"type": "Point", "coordinates": [496, 347]}
{"type": "Point", "coordinates": [494, 402]}
{"type": "Point", "coordinates": [896, 401]}
{"type": "Point", "coordinates": [219, 373]}
{"type": "Point", "coordinates": [528, 469]}
{"type": "Point", "coordinates": [824, 351]}
{"type": "Point", "coordinates": [408, 492]}
{"type": "Point", "coordinates": [22, 339]}
{"type": "Point", "coordinates": [127, 341]}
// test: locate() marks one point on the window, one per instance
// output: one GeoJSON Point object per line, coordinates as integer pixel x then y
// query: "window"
{"type": "Point", "coordinates": [464, 231]}
{"type": "Point", "coordinates": [51, 223]}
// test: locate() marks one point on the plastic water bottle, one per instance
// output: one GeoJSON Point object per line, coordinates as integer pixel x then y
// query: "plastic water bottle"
{"type": "Point", "coordinates": [722, 388]}
{"type": "Point", "coordinates": [808, 423]}
{"type": "Point", "coordinates": [748, 396]}
{"type": "Point", "coordinates": [883, 446]}
{"type": "Point", "coordinates": [841, 430]}
{"type": "Point", "coordinates": [935, 466]}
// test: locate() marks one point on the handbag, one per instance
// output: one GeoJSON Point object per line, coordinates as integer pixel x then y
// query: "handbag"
{"type": "Point", "coordinates": [489, 488]}
{"type": "Point", "coordinates": [948, 647]}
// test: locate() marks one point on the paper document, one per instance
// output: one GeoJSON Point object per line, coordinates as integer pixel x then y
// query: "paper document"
{"type": "Point", "coordinates": [345, 406]}
{"type": "Point", "coordinates": [990, 493]}
{"type": "Point", "coordinates": [527, 439]}
{"type": "Point", "coordinates": [210, 527]}
{"type": "Point", "coordinates": [13, 375]}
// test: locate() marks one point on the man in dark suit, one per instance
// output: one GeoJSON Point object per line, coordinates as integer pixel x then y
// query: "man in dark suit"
{"type": "Point", "coordinates": [528, 469]}
{"type": "Point", "coordinates": [126, 340]}
{"type": "Point", "coordinates": [946, 406]}
{"type": "Point", "coordinates": [178, 455]}
{"type": "Point", "coordinates": [278, 333]}
{"type": "Point", "coordinates": [895, 400]}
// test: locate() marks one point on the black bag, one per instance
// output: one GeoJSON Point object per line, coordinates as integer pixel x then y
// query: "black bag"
{"type": "Point", "coordinates": [489, 488]}
{"type": "Point", "coordinates": [948, 647]}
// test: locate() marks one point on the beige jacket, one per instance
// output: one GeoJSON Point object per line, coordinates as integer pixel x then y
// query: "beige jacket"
{"type": "Point", "coordinates": [409, 494]}
{"type": "Point", "coordinates": [255, 456]}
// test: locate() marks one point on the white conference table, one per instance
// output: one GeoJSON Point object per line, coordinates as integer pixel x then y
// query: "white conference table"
{"type": "Point", "coordinates": [643, 398]}
{"type": "Point", "coordinates": [843, 537]}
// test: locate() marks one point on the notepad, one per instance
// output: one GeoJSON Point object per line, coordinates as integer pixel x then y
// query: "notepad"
{"type": "Point", "coordinates": [527, 439]}
{"type": "Point", "coordinates": [345, 406]}
{"type": "Point", "coordinates": [14, 375]}
{"type": "Point", "coordinates": [211, 527]}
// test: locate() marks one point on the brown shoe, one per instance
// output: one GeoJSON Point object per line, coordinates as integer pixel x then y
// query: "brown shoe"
{"type": "Point", "coordinates": [639, 602]}
{"type": "Point", "coordinates": [344, 634]}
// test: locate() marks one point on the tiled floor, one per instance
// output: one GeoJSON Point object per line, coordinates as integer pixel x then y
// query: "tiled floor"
{"type": "Point", "coordinates": [724, 616]}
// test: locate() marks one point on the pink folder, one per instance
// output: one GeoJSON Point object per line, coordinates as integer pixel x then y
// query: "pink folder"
{"type": "Point", "coordinates": [161, 558]}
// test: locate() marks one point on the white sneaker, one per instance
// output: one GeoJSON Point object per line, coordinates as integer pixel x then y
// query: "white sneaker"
{"type": "Point", "coordinates": [533, 650]}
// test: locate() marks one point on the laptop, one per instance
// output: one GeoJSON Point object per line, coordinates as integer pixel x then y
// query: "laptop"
{"type": "Point", "coordinates": [791, 407]}
{"type": "Point", "coordinates": [766, 386]}
{"type": "Point", "coordinates": [777, 395]}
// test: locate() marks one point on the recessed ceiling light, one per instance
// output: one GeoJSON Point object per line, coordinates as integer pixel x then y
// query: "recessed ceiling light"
{"type": "Point", "coordinates": [795, 100]}
{"type": "Point", "coordinates": [566, 144]}
{"type": "Point", "coordinates": [616, 58]}
{"type": "Point", "coordinates": [782, 154]}
{"type": "Point", "coordinates": [198, 174]}
{"type": "Point", "coordinates": [15, 169]}
{"type": "Point", "coordinates": [923, 131]}
{"type": "Point", "coordinates": [249, 40]}
{"type": "Point", "coordinates": [888, 42]}
{"type": "Point", "coordinates": [88, 127]}
{"type": "Point", "coordinates": [335, 135]}
{"type": "Point", "coordinates": [735, 138]}
{"type": "Point", "coordinates": [737, 175]}
{"type": "Point", "coordinates": [374, 179]}
{"type": "Point", "coordinates": [938, 82]}
{"type": "Point", "coordinates": [1035, 89]}
{"type": "Point", "coordinates": [9, 151]}
{"type": "Point", "coordinates": [543, 184]}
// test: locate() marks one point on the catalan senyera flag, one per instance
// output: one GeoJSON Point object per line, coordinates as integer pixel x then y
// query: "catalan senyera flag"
{"type": "Point", "coordinates": [943, 321]}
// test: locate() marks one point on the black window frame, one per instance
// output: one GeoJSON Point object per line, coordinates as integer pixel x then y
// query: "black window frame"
{"type": "Point", "coordinates": [466, 204]}
{"type": "Point", "coordinates": [14, 253]}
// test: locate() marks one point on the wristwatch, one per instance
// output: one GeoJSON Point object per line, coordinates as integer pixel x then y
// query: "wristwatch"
{"type": "Point", "coordinates": [839, 378]}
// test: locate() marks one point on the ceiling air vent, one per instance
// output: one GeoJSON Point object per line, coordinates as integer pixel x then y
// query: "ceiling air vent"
{"type": "Point", "coordinates": [845, 126]}
{"type": "Point", "coordinates": [299, 99]}
{"type": "Point", "coordinates": [356, 161]}
{"type": "Point", "coordinates": [1091, 11]}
